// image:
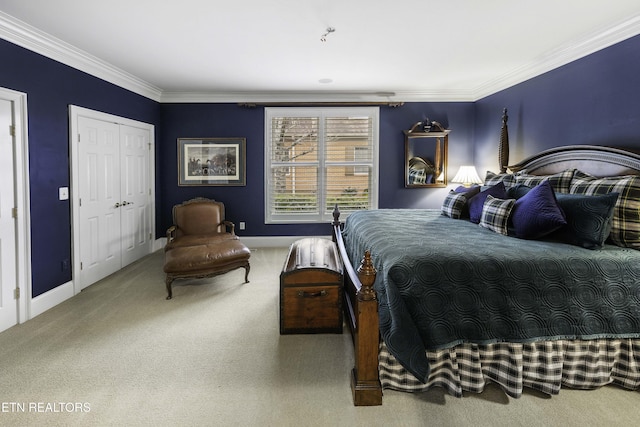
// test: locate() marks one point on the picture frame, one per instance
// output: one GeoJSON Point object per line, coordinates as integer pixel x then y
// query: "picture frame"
{"type": "Point", "coordinates": [212, 161]}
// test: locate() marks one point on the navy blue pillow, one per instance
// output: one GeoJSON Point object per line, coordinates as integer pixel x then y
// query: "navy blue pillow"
{"type": "Point", "coordinates": [471, 191]}
{"type": "Point", "coordinates": [589, 219]}
{"type": "Point", "coordinates": [537, 213]}
{"type": "Point", "coordinates": [477, 202]}
{"type": "Point", "coordinates": [518, 191]}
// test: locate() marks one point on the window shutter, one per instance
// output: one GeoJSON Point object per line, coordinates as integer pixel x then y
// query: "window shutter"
{"type": "Point", "coordinates": [349, 161]}
{"type": "Point", "coordinates": [317, 158]}
{"type": "Point", "coordinates": [294, 165]}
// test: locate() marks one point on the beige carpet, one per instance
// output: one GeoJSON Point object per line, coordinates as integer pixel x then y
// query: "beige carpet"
{"type": "Point", "coordinates": [120, 354]}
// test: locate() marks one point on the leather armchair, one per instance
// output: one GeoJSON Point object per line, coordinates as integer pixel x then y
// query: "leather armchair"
{"type": "Point", "coordinates": [201, 243]}
{"type": "Point", "coordinates": [198, 221]}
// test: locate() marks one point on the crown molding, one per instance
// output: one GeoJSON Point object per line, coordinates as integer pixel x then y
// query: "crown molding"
{"type": "Point", "coordinates": [28, 37]}
{"type": "Point", "coordinates": [563, 55]}
{"type": "Point", "coordinates": [316, 96]}
{"type": "Point", "coordinates": [24, 35]}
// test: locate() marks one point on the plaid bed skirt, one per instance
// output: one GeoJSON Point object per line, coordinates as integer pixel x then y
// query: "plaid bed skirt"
{"type": "Point", "coordinates": [543, 366]}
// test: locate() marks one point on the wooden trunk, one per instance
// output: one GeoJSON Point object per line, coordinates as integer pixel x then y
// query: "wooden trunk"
{"type": "Point", "coordinates": [311, 288]}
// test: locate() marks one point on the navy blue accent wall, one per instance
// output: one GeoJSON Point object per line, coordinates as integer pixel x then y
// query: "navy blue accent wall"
{"type": "Point", "coordinates": [247, 203]}
{"type": "Point", "coordinates": [594, 100]}
{"type": "Point", "coordinates": [456, 116]}
{"type": "Point", "coordinates": [51, 87]}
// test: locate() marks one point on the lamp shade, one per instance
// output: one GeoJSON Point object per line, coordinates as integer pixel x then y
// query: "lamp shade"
{"type": "Point", "coordinates": [467, 175]}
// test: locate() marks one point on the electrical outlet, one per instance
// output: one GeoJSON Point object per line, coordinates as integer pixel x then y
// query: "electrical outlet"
{"type": "Point", "coordinates": [63, 193]}
{"type": "Point", "coordinates": [242, 225]}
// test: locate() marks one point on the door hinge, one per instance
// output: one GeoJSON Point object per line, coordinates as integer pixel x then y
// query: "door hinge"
{"type": "Point", "coordinates": [78, 137]}
{"type": "Point", "coordinates": [14, 212]}
{"type": "Point", "coordinates": [12, 130]}
{"type": "Point", "coordinates": [16, 293]}
{"type": "Point", "coordinates": [81, 266]}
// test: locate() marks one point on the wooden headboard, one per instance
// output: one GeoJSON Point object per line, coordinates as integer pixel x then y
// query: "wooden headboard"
{"type": "Point", "coordinates": [593, 159]}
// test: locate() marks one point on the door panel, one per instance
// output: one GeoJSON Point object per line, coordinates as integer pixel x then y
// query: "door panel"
{"type": "Point", "coordinates": [8, 273]}
{"type": "Point", "coordinates": [135, 195]}
{"type": "Point", "coordinates": [99, 188]}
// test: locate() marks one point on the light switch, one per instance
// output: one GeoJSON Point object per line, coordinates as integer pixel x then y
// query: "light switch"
{"type": "Point", "coordinates": [63, 193]}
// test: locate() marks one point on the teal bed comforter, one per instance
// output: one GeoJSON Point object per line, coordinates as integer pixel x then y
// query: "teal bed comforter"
{"type": "Point", "coordinates": [443, 281]}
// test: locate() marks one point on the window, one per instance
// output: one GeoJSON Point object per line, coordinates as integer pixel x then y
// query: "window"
{"type": "Point", "coordinates": [360, 154]}
{"type": "Point", "coordinates": [319, 157]}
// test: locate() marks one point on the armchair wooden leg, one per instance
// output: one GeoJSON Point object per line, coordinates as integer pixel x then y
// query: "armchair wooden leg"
{"type": "Point", "coordinates": [168, 281]}
{"type": "Point", "coordinates": [246, 273]}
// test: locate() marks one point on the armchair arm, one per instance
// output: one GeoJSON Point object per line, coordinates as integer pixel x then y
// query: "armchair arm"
{"type": "Point", "coordinates": [230, 225]}
{"type": "Point", "coordinates": [171, 233]}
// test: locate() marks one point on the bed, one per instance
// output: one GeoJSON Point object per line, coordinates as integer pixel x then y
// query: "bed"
{"type": "Point", "coordinates": [434, 301]}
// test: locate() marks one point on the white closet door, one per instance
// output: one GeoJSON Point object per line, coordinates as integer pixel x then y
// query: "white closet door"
{"type": "Point", "coordinates": [8, 274]}
{"type": "Point", "coordinates": [99, 192]}
{"type": "Point", "coordinates": [135, 209]}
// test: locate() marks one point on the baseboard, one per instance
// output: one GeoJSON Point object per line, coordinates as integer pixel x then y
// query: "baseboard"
{"type": "Point", "coordinates": [272, 241]}
{"type": "Point", "coordinates": [50, 299]}
{"type": "Point", "coordinates": [254, 241]}
{"type": "Point", "coordinates": [159, 244]}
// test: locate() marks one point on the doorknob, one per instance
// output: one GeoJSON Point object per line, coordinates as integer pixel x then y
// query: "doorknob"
{"type": "Point", "coordinates": [125, 203]}
{"type": "Point", "coordinates": [118, 205]}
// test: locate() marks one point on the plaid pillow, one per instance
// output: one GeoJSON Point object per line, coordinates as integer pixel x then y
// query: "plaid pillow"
{"type": "Point", "coordinates": [477, 202]}
{"type": "Point", "coordinates": [417, 176]}
{"type": "Point", "coordinates": [625, 227]}
{"type": "Point", "coordinates": [453, 204]}
{"type": "Point", "coordinates": [495, 214]}
{"type": "Point", "coordinates": [492, 179]}
{"type": "Point", "coordinates": [560, 182]}
{"type": "Point", "coordinates": [578, 174]}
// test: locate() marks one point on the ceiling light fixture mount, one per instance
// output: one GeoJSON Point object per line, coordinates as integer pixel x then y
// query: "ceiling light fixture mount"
{"type": "Point", "coordinates": [323, 38]}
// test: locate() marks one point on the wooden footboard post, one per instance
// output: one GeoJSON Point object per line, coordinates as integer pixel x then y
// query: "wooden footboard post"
{"type": "Point", "coordinates": [361, 313]}
{"type": "Point", "coordinates": [365, 383]}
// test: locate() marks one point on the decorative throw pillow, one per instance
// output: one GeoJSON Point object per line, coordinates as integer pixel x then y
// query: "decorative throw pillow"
{"type": "Point", "coordinates": [477, 202]}
{"type": "Point", "coordinates": [561, 181]}
{"type": "Point", "coordinates": [625, 226]}
{"type": "Point", "coordinates": [491, 179]}
{"type": "Point", "coordinates": [537, 214]}
{"type": "Point", "coordinates": [495, 214]}
{"type": "Point", "coordinates": [578, 174]}
{"type": "Point", "coordinates": [589, 219]}
{"type": "Point", "coordinates": [518, 191]}
{"type": "Point", "coordinates": [471, 191]}
{"type": "Point", "coordinates": [455, 204]}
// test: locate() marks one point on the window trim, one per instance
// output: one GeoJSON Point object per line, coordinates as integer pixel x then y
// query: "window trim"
{"type": "Point", "coordinates": [320, 112]}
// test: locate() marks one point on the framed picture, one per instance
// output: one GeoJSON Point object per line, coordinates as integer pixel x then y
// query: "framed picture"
{"type": "Point", "coordinates": [212, 161]}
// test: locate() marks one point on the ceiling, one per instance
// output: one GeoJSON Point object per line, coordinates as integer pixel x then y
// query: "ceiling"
{"type": "Point", "coordinates": [253, 51]}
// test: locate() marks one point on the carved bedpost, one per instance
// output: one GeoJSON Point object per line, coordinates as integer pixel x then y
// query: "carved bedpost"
{"type": "Point", "coordinates": [336, 221]}
{"type": "Point", "coordinates": [367, 275]}
{"type": "Point", "coordinates": [365, 384]}
{"type": "Point", "coordinates": [503, 149]}
{"type": "Point", "coordinates": [361, 310]}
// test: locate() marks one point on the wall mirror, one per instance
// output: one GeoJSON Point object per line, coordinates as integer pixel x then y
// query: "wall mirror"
{"type": "Point", "coordinates": [425, 158]}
